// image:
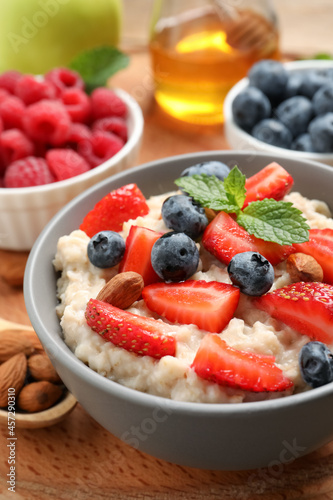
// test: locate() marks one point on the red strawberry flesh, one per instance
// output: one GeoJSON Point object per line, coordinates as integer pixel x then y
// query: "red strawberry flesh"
{"type": "Point", "coordinates": [209, 305]}
{"type": "Point", "coordinates": [305, 307]}
{"type": "Point", "coordinates": [272, 181]}
{"type": "Point", "coordinates": [117, 207]}
{"type": "Point", "coordinates": [139, 244]}
{"type": "Point", "coordinates": [224, 238]}
{"type": "Point", "coordinates": [137, 334]}
{"type": "Point", "coordinates": [217, 362]}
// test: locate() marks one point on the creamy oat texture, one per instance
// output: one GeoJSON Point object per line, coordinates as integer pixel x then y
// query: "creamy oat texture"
{"type": "Point", "coordinates": [171, 377]}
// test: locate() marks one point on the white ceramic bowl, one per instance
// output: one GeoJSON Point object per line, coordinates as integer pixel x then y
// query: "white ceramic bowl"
{"type": "Point", "coordinates": [25, 211]}
{"type": "Point", "coordinates": [241, 140]}
{"type": "Point", "coordinates": [209, 436]}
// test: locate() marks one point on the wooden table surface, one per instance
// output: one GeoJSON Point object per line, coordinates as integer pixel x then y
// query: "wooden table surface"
{"type": "Point", "coordinates": [77, 458]}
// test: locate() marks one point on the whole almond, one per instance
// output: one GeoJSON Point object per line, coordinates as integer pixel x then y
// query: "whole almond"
{"type": "Point", "coordinates": [38, 396]}
{"type": "Point", "coordinates": [33, 338]}
{"type": "Point", "coordinates": [41, 368]}
{"type": "Point", "coordinates": [12, 342]}
{"type": "Point", "coordinates": [12, 375]}
{"type": "Point", "coordinates": [122, 290]}
{"type": "Point", "coordinates": [303, 267]}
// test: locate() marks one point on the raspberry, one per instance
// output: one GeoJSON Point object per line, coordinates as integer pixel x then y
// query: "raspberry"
{"type": "Point", "coordinates": [66, 163]}
{"type": "Point", "coordinates": [9, 79]}
{"type": "Point", "coordinates": [3, 94]}
{"type": "Point", "coordinates": [77, 133]}
{"type": "Point", "coordinates": [64, 78]}
{"type": "Point", "coordinates": [47, 121]}
{"type": "Point", "coordinates": [30, 171]}
{"type": "Point", "coordinates": [105, 102]}
{"type": "Point", "coordinates": [113, 124]}
{"type": "Point", "coordinates": [100, 147]}
{"type": "Point", "coordinates": [12, 110]}
{"type": "Point", "coordinates": [29, 89]}
{"type": "Point", "coordinates": [77, 104]}
{"type": "Point", "coordinates": [15, 145]}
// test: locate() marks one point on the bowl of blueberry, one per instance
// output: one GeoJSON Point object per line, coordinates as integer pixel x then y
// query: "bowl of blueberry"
{"type": "Point", "coordinates": [283, 108]}
{"type": "Point", "coordinates": [192, 317]}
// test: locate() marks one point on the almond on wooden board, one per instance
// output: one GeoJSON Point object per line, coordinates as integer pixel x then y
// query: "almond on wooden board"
{"type": "Point", "coordinates": [12, 374]}
{"type": "Point", "coordinates": [12, 342]}
{"type": "Point", "coordinates": [122, 290]}
{"type": "Point", "coordinates": [41, 368]}
{"type": "Point", "coordinates": [38, 396]}
{"type": "Point", "coordinates": [33, 338]}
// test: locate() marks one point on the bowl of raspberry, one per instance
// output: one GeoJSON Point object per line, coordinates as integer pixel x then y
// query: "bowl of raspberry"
{"type": "Point", "coordinates": [192, 318]}
{"type": "Point", "coordinates": [283, 108]}
{"type": "Point", "coordinates": [56, 140]}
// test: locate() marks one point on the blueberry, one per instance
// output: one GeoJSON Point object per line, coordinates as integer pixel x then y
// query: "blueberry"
{"type": "Point", "coordinates": [295, 113]}
{"type": "Point", "coordinates": [293, 85]}
{"type": "Point", "coordinates": [269, 76]}
{"type": "Point", "coordinates": [323, 100]}
{"type": "Point", "coordinates": [311, 82]}
{"type": "Point", "coordinates": [273, 132]}
{"type": "Point", "coordinates": [217, 168]}
{"type": "Point", "coordinates": [303, 143]}
{"type": "Point", "coordinates": [250, 107]}
{"type": "Point", "coordinates": [106, 249]}
{"type": "Point", "coordinates": [251, 273]}
{"type": "Point", "coordinates": [321, 133]}
{"type": "Point", "coordinates": [316, 364]}
{"type": "Point", "coordinates": [174, 257]}
{"type": "Point", "coordinates": [182, 214]}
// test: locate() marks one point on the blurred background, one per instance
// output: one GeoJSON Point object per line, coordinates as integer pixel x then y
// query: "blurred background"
{"type": "Point", "coordinates": [38, 34]}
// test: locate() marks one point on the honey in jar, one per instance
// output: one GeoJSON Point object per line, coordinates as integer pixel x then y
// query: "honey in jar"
{"type": "Point", "coordinates": [197, 56]}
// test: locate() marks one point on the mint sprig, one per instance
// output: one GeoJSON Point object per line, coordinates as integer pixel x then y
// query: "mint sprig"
{"type": "Point", "coordinates": [97, 65]}
{"type": "Point", "coordinates": [268, 219]}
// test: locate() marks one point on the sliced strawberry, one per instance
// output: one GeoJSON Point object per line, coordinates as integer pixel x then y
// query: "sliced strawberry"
{"type": "Point", "coordinates": [208, 304]}
{"type": "Point", "coordinates": [114, 209]}
{"type": "Point", "coordinates": [306, 307]}
{"type": "Point", "coordinates": [139, 243]}
{"type": "Point", "coordinates": [224, 238]}
{"type": "Point", "coordinates": [217, 362]}
{"type": "Point", "coordinates": [273, 252]}
{"type": "Point", "coordinates": [138, 334]}
{"type": "Point", "coordinates": [320, 247]}
{"type": "Point", "coordinates": [272, 181]}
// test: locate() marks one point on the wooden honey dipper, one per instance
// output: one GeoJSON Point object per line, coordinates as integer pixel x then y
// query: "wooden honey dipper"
{"type": "Point", "coordinates": [246, 30]}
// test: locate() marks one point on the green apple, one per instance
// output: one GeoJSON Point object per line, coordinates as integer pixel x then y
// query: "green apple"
{"type": "Point", "coordinates": [37, 35]}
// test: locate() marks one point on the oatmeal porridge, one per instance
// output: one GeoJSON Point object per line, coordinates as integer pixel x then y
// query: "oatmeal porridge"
{"type": "Point", "coordinates": [250, 329]}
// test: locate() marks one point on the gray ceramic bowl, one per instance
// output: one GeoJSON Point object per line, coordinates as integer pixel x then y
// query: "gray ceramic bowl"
{"type": "Point", "coordinates": [209, 436]}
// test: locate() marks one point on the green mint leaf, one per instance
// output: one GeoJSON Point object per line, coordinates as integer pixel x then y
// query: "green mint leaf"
{"type": "Point", "coordinates": [234, 184]}
{"type": "Point", "coordinates": [97, 65]}
{"type": "Point", "coordinates": [207, 190]}
{"type": "Point", "coordinates": [277, 221]}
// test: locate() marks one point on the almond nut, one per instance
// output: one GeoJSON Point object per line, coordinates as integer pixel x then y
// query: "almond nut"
{"type": "Point", "coordinates": [303, 267]}
{"type": "Point", "coordinates": [38, 396]}
{"type": "Point", "coordinates": [122, 290]}
{"type": "Point", "coordinates": [33, 338]}
{"type": "Point", "coordinates": [41, 368]}
{"type": "Point", "coordinates": [12, 374]}
{"type": "Point", "coordinates": [12, 342]}
{"type": "Point", "coordinates": [210, 214]}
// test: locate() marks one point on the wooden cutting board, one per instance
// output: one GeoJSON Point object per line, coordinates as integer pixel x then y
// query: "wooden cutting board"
{"type": "Point", "coordinates": [77, 458]}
